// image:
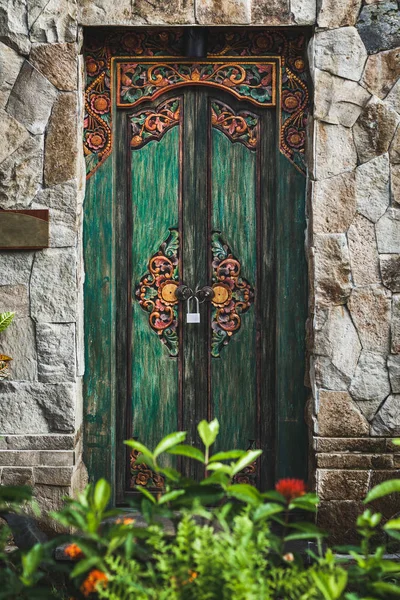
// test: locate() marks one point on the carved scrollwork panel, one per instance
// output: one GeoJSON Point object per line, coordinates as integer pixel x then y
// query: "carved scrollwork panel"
{"type": "Point", "coordinates": [233, 295]}
{"type": "Point", "coordinates": [156, 292]}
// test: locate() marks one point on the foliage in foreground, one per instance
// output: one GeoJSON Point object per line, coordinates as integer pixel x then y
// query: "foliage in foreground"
{"type": "Point", "coordinates": [240, 549]}
{"type": "Point", "coordinates": [5, 321]}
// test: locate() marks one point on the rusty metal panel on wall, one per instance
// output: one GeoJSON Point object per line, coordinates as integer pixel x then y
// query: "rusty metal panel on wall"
{"type": "Point", "coordinates": [24, 229]}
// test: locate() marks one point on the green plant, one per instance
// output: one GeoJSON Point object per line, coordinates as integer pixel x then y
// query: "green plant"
{"type": "Point", "coordinates": [209, 540]}
{"type": "Point", "coordinates": [5, 321]}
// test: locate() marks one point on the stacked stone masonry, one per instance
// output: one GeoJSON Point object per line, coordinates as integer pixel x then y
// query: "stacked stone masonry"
{"type": "Point", "coordinates": [353, 238]}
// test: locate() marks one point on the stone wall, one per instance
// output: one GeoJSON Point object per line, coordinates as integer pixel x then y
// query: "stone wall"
{"type": "Point", "coordinates": [354, 259]}
{"type": "Point", "coordinates": [353, 234]}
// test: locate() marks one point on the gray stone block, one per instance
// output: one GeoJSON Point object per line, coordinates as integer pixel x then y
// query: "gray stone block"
{"type": "Point", "coordinates": [374, 129]}
{"type": "Point", "coordinates": [335, 151]}
{"type": "Point", "coordinates": [10, 65]}
{"type": "Point", "coordinates": [372, 187]}
{"type": "Point", "coordinates": [395, 327]}
{"type": "Point", "coordinates": [364, 257]}
{"type": "Point", "coordinates": [38, 442]}
{"type": "Point", "coordinates": [60, 476]}
{"type": "Point", "coordinates": [390, 269]}
{"type": "Point", "coordinates": [37, 408]}
{"type": "Point", "coordinates": [270, 12]}
{"type": "Point", "coordinates": [393, 364]}
{"type": "Point", "coordinates": [53, 21]}
{"type": "Point", "coordinates": [338, 13]}
{"type": "Point", "coordinates": [14, 298]}
{"type": "Point", "coordinates": [223, 12]}
{"type": "Point", "coordinates": [61, 146]}
{"type": "Point", "coordinates": [332, 268]}
{"type": "Point", "coordinates": [387, 420]}
{"type": "Point", "coordinates": [56, 351]}
{"type": "Point", "coordinates": [370, 309]}
{"type": "Point", "coordinates": [53, 286]}
{"type": "Point", "coordinates": [62, 203]}
{"type": "Point", "coordinates": [13, 25]}
{"type": "Point", "coordinates": [21, 174]}
{"type": "Point", "coordinates": [18, 341]}
{"type": "Point", "coordinates": [17, 476]}
{"type": "Point", "coordinates": [379, 25]}
{"type": "Point", "coordinates": [15, 268]}
{"type": "Point", "coordinates": [31, 458]}
{"type": "Point", "coordinates": [58, 63]}
{"type": "Point", "coordinates": [31, 99]}
{"type": "Point", "coordinates": [12, 135]}
{"type": "Point", "coordinates": [388, 232]}
{"type": "Point", "coordinates": [371, 378]}
{"type": "Point", "coordinates": [340, 52]}
{"type": "Point", "coordinates": [381, 72]}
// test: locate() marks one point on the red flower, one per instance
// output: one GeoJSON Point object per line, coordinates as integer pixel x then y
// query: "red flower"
{"type": "Point", "coordinates": [291, 488]}
{"type": "Point", "coordinates": [96, 139]}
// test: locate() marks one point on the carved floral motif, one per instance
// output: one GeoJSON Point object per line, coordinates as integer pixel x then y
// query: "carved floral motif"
{"type": "Point", "coordinates": [147, 125]}
{"type": "Point", "coordinates": [289, 45]}
{"type": "Point", "coordinates": [142, 475]}
{"type": "Point", "coordinates": [156, 292]}
{"type": "Point", "coordinates": [241, 127]}
{"type": "Point", "coordinates": [233, 295]}
{"type": "Point", "coordinates": [138, 82]}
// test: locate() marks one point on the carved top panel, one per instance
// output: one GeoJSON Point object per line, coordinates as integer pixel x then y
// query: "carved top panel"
{"type": "Point", "coordinates": [141, 81]}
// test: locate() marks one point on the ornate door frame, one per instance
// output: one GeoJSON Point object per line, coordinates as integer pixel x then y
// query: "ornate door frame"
{"type": "Point", "coordinates": [105, 294]}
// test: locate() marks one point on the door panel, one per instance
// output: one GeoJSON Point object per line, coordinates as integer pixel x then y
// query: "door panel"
{"type": "Point", "coordinates": [233, 213]}
{"type": "Point", "coordinates": [195, 204]}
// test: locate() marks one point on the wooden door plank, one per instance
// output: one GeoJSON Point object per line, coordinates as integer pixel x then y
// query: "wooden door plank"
{"type": "Point", "coordinates": [99, 331]}
{"type": "Point", "coordinates": [195, 258]}
{"type": "Point", "coordinates": [155, 193]}
{"type": "Point", "coordinates": [233, 213]}
{"type": "Point", "coordinates": [291, 268]}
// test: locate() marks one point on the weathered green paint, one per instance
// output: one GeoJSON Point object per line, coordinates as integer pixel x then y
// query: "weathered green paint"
{"type": "Point", "coordinates": [291, 314]}
{"type": "Point", "coordinates": [233, 213]}
{"type": "Point", "coordinates": [99, 310]}
{"type": "Point", "coordinates": [277, 271]}
{"type": "Point", "coordinates": [155, 193]}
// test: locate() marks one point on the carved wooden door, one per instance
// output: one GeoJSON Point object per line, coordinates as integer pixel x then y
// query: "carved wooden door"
{"type": "Point", "coordinates": [203, 192]}
{"type": "Point", "coordinates": [201, 176]}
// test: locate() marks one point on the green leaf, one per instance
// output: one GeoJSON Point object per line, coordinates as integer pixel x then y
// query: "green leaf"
{"type": "Point", "coordinates": [217, 466]}
{"type": "Point", "coordinates": [170, 440]}
{"type": "Point", "coordinates": [170, 473]}
{"type": "Point", "coordinates": [5, 320]}
{"type": "Point", "coordinates": [245, 492]}
{"type": "Point", "coordinates": [84, 565]}
{"type": "Point", "coordinates": [170, 496]}
{"type": "Point", "coordinates": [139, 447]}
{"type": "Point", "coordinates": [101, 495]}
{"type": "Point", "coordinates": [189, 451]}
{"type": "Point", "coordinates": [208, 432]}
{"type": "Point", "coordinates": [396, 441]}
{"type": "Point", "coordinates": [267, 510]}
{"type": "Point", "coordinates": [31, 560]}
{"type": "Point", "coordinates": [389, 589]}
{"type": "Point", "coordinates": [14, 493]}
{"type": "Point", "coordinates": [383, 489]}
{"type": "Point", "coordinates": [307, 528]}
{"type": "Point", "coordinates": [246, 460]}
{"type": "Point", "coordinates": [304, 536]}
{"type": "Point", "coordinates": [146, 493]}
{"type": "Point", "coordinates": [231, 455]}
{"type": "Point", "coordinates": [274, 495]}
{"type": "Point", "coordinates": [392, 524]}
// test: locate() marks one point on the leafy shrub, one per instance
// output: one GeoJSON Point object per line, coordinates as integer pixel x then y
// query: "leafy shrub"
{"type": "Point", "coordinates": [209, 540]}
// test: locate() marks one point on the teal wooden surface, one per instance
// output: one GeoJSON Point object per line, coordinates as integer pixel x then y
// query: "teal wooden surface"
{"type": "Point", "coordinates": [99, 312]}
{"type": "Point", "coordinates": [155, 193]}
{"type": "Point", "coordinates": [233, 213]}
{"type": "Point", "coordinates": [291, 314]}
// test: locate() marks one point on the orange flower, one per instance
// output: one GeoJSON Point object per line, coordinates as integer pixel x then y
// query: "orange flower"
{"type": "Point", "coordinates": [73, 551]}
{"type": "Point", "coordinates": [291, 488]}
{"type": "Point", "coordinates": [125, 521]}
{"type": "Point", "coordinates": [92, 581]}
{"type": "Point", "coordinates": [288, 557]}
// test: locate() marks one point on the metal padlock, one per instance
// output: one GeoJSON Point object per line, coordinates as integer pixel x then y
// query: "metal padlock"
{"type": "Point", "coordinates": [193, 317]}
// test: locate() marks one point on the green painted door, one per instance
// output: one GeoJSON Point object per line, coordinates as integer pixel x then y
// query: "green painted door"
{"type": "Point", "coordinates": [200, 171]}
{"type": "Point", "coordinates": [202, 189]}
